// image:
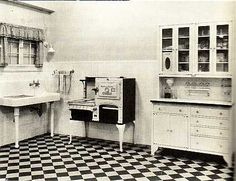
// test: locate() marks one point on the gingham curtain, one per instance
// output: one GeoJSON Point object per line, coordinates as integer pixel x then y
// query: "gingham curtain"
{"type": "Point", "coordinates": [21, 33]}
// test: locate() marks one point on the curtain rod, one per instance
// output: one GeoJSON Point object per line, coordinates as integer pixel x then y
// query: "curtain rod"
{"type": "Point", "coordinates": [29, 6]}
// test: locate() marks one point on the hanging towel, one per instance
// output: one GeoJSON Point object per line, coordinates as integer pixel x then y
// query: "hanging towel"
{"type": "Point", "coordinates": [61, 83]}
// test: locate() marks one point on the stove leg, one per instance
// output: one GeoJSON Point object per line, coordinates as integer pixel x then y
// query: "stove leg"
{"type": "Point", "coordinates": [70, 139]}
{"type": "Point", "coordinates": [134, 132]}
{"type": "Point", "coordinates": [121, 129]}
{"type": "Point", "coordinates": [70, 122]}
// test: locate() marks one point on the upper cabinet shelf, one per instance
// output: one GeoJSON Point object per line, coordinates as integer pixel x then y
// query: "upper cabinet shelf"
{"type": "Point", "coordinates": [196, 49]}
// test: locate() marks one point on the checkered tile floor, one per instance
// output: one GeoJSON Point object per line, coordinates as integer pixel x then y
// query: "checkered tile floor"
{"type": "Point", "coordinates": [46, 158]}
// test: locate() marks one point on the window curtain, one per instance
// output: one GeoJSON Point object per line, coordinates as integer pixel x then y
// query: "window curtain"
{"type": "Point", "coordinates": [21, 33]}
{"type": "Point", "coordinates": [4, 57]}
{"type": "Point", "coordinates": [40, 55]}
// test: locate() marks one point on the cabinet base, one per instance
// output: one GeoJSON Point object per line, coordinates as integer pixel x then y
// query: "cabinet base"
{"type": "Point", "coordinates": [227, 157]}
{"type": "Point", "coordinates": [154, 148]}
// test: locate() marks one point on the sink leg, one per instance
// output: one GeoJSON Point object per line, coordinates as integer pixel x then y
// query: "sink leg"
{"type": "Point", "coordinates": [52, 118]}
{"type": "Point", "coordinates": [121, 129]}
{"type": "Point", "coordinates": [16, 118]}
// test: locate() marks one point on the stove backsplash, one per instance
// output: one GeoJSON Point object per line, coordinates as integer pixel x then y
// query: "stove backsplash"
{"type": "Point", "coordinates": [215, 89]}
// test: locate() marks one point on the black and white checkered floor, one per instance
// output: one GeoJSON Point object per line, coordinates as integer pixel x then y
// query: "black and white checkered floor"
{"type": "Point", "coordinates": [46, 158]}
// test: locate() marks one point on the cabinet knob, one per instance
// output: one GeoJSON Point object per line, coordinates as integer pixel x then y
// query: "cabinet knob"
{"type": "Point", "coordinates": [180, 110]}
{"type": "Point", "coordinates": [171, 131]}
{"type": "Point", "coordinates": [197, 130]}
{"type": "Point", "coordinates": [197, 143]}
{"type": "Point", "coordinates": [220, 146]}
{"type": "Point", "coordinates": [220, 133]}
{"type": "Point", "coordinates": [221, 113]}
{"type": "Point", "coordinates": [159, 108]}
{"type": "Point", "coordinates": [197, 121]}
{"type": "Point", "coordinates": [221, 123]}
{"type": "Point", "coordinates": [197, 112]}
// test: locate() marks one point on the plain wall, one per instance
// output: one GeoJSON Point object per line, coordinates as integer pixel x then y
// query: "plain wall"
{"type": "Point", "coordinates": [123, 30]}
{"type": "Point", "coordinates": [119, 39]}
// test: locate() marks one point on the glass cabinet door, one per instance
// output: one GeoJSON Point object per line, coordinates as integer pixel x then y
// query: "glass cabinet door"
{"type": "Point", "coordinates": [167, 39]}
{"type": "Point", "coordinates": [203, 53]}
{"type": "Point", "coordinates": [183, 49]}
{"type": "Point", "coordinates": [167, 49]}
{"type": "Point", "coordinates": [222, 45]}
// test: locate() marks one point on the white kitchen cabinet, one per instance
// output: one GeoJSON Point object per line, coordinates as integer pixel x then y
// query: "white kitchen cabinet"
{"type": "Point", "coordinates": [161, 128]}
{"type": "Point", "coordinates": [199, 48]}
{"type": "Point", "coordinates": [211, 131]}
{"type": "Point", "coordinates": [213, 45]}
{"type": "Point", "coordinates": [177, 48]}
{"type": "Point", "coordinates": [170, 127]}
{"type": "Point", "coordinates": [179, 130]}
{"type": "Point", "coordinates": [197, 128]}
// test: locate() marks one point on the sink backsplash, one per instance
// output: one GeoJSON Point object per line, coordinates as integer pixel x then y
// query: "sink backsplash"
{"type": "Point", "coordinates": [14, 87]}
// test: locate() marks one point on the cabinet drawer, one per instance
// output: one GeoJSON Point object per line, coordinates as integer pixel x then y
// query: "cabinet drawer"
{"type": "Point", "coordinates": [210, 112]}
{"type": "Point", "coordinates": [216, 133]}
{"type": "Point", "coordinates": [209, 144]}
{"type": "Point", "coordinates": [171, 109]}
{"type": "Point", "coordinates": [210, 122]}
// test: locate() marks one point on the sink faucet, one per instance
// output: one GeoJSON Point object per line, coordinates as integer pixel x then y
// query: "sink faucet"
{"type": "Point", "coordinates": [34, 83]}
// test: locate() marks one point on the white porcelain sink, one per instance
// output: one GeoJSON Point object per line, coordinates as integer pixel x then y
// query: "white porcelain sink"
{"type": "Point", "coordinates": [24, 99]}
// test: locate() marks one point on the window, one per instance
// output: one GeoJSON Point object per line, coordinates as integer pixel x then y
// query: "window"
{"type": "Point", "coordinates": [22, 52]}
{"type": "Point", "coordinates": [13, 51]}
{"type": "Point", "coordinates": [29, 52]}
{"type": "Point", "coordinates": [20, 45]}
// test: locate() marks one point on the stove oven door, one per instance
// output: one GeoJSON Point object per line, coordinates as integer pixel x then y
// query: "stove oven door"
{"type": "Point", "coordinates": [108, 114]}
{"type": "Point", "coordinates": [81, 115]}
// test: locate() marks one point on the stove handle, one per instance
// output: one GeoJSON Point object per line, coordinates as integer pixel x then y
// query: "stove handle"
{"type": "Point", "coordinates": [110, 108]}
{"type": "Point", "coordinates": [95, 90]}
